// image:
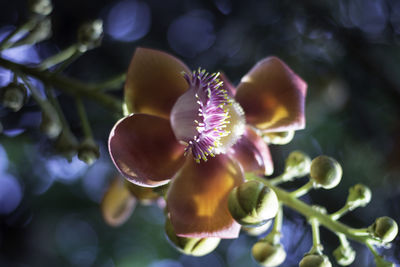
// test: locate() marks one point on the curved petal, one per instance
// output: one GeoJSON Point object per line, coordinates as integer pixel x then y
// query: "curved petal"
{"type": "Point", "coordinates": [197, 200]}
{"type": "Point", "coordinates": [144, 149]}
{"type": "Point", "coordinates": [273, 96]}
{"type": "Point", "coordinates": [227, 84]}
{"type": "Point", "coordinates": [253, 153]}
{"type": "Point", "coordinates": [154, 82]}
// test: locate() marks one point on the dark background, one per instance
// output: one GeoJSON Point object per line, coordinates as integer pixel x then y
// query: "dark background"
{"type": "Point", "coordinates": [347, 51]}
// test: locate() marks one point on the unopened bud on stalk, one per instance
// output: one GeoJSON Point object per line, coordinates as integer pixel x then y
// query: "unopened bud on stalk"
{"type": "Point", "coordinates": [384, 228]}
{"type": "Point", "coordinates": [315, 260]}
{"type": "Point", "coordinates": [252, 203]}
{"type": "Point", "coordinates": [40, 7]}
{"type": "Point", "coordinates": [344, 255]}
{"type": "Point", "coordinates": [51, 124]}
{"type": "Point", "coordinates": [190, 245]}
{"type": "Point", "coordinates": [257, 230]}
{"type": "Point", "coordinates": [325, 171]}
{"type": "Point", "coordinates": [88, 151]}
{"type": "Point", "coordinates": [359, 196]}
{"type": "Point", "coordinates": [90, 35]}
{"type": "Point", "coordinates": [278, 138]}
{"type": "Point", "coordinates": [13, 96]}
{"type": "Point", "coordinates": [118, 203]}
{"type": "Point", "coordinates": [297, 163]}
{"type": "Point", "coordinates": [267, 254]}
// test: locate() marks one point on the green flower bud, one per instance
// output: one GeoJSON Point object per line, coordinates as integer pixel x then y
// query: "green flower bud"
{"type": "Point", "coordinates": [359, 196]}
{"type": "Point", "coordinates": [88, 151]}
{"type": "Point", "coordinates": [384, 228]}
{"type": "Point", "coordinates": [40, 7]}
{"type": "Point", "coordinates": [325, 172]}
{"type": "Point", "coordinates": [258, 230]}
{"type": "Point", "coordinates": [252, 203]}
{"type": "Point", "coordinates": [117, 204]}
{"type": "Point", "coordinates": [190, 245]}
{"type": "Point", "coordinates": [90, 35]}
{"type": "Point", "coordinates": [278, 138]}
{"type": "Point", "coordinates": [298, 163]}
{"type": "Point", "coordinates": [344, 255]}
{"type": "Point", "coordinates": [315, 260]}
{"type": "Point", "coordinates": [13, 96]}
{"type": "Point", "coordinates": [267, 254]}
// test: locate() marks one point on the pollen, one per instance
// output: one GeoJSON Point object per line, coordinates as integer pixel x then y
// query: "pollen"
{"type": "Point", "coordinates": [206, 118]}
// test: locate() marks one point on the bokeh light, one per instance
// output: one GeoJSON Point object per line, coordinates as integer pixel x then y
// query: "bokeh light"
{"type": "Point", "coordinates": [128, 20]}
{"type": "Point", "coordinates": [10, 193]}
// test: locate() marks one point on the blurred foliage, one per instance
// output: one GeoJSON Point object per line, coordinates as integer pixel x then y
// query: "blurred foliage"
{"type": "Point", "coordinates": [347, 51]}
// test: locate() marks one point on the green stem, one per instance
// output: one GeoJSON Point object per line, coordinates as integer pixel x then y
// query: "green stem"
{"type": "Point", "coordinates": [68, 85]}
{"type": "Point", "coordinates": [113, 83]}
{"type": "Point", "coordinates": [343, 240]}
{"type": "Point", "coordinates": [274, 236]}
{"type": "Point", "coordinates": [56, 105]}
{"type": "Point", "coordinates": [58, 58]}
{"type": "Point", "coordinates": [5, 43]}
{"type": "Point", "coordinates": [303, 190]}
{"type": "Point", "coordinates": [84, 119]}
{"type": "Point", "coordinates": [307, 211]}
{"type": "Point", "coordinates": [338, 214]}
{"type": "Point", "coordinates": [284, 177]}
{"type": "Point", "coordinates": [315, 235]}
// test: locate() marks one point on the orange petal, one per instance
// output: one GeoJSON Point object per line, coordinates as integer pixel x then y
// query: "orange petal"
{"type": "Point", "coordinates": [144, 149]}
{"type": "Point", "coordinates": [273, 96]}
{"type": "Point", "coordinates": [253, 154]}
{"type": "Point", "coordinates": [197, 200]}
{"type": "Point", "coordinates": [118, 203]}
{"type": "Point", "coordinates": [154, 82]}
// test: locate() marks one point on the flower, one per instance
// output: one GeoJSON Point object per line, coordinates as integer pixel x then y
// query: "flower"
{"type": "Point", "coordinates": [198, 131]}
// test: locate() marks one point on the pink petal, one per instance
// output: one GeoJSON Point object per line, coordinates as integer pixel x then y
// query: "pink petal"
{"type": "Point", "coordinates": [227, 84]}
{"type": "Point", "coordinates": [253, 154]}
{"type": "Point", "coordinates": [197, 199]}
{"type": "Point", "coordinates": [273, 96]}
{"type": "Point", "coordinates": [154, 82]}
{"type": "Point", "coordinates": [144, 149]}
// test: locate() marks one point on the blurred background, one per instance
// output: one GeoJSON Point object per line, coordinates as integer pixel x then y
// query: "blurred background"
{"type": "Point", "coordinates": [347, 51]}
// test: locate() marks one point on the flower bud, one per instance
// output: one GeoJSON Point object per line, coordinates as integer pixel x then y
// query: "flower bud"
{"type": "Point", "coordinates": [344, 255]}
{"type": "Point", "coordinates": [193, 246]}
{"type": "Point", "coordinates": [315, 260]}
{"type": "Point", "coordinates": [117, 204]}
{"type": "Point", "coordinates": [325, 171]}
{"type": "Point", "coordinates": [278, 138]}
{"type": "Point", "coordinates": [66, 144]}
{"type": "Point", "coordinates": [40, 7]}
{"type": "Point", "coordinates": [90, 35]}
{"type": "Point", "coordinates": [384, 228]}
{"type": "Point", "coordinates": [252, 203]}
{"type": "Point", "coordinates": [298, 163]}
{"type": "Point", "coordinates": [267, 254]}
{"type": "Point", "coordinates": [88, 151]}
{"type": "Point", "coordinates": [258, 230]}
{"type": "Point", "coordinates": [13, 96]}
{"type": "Point", "coordinates": [359, 196]}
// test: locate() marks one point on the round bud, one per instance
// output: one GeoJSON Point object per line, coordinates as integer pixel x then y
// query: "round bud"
{"type": "Point", "coordinates": [252, 203]}
{"type": "Point", "coordinates": [325, 171]}
{"type": "Point", "coordinates": [190, 245]}
{"type": "Point", "coordinates": [384, 228]}
{"type": "Point", "coordinates": [13, 96]}
{"type": "Point", "coordinates": [298, 163]}
{"type": "Point", "coordinates": [315, 260]}
{"type": "Point", "coordinates": [40, 7]}
{"type": "Point", "coordinates": [359, 196]}
{"type": "Point", "coordinates": [278, 138]}
{"type": "Point", "coordinates": [90, 35]}
{"type": "Point", "coordinates": [267, 254]}
{"type": "Point", "coordinates": [117, 204]}
{"type": "Point", "coordinates": [257, 230]}
{"type": "Point", "coordinates": [88, 151]}
{"type": "Point", "coordinates": [344, 255]}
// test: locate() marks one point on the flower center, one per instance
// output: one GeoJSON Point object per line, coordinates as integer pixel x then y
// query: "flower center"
{"type": "Point", "coordinates": [206, 118]}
